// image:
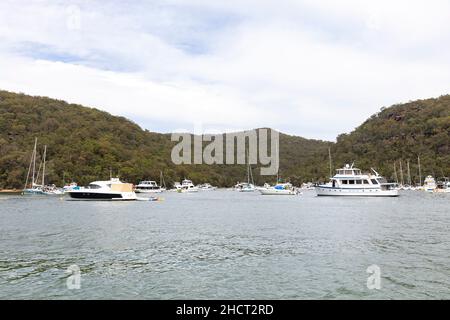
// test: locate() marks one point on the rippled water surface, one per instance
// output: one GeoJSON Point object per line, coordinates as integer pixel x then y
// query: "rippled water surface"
{"type": "Point", "coordinates": [226, 245]}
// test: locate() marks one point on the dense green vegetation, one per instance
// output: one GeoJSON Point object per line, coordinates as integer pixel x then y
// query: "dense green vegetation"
{"type": "Point", "coordinates": [84, 144]}
{"type": "Point", "coordinates": [402, 133]}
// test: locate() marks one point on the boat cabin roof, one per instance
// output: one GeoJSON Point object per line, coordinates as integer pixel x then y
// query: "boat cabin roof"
{"type": "Point", "coordinates": [348, 171]}
{"type": "Point", "coordinates": [148, 182]}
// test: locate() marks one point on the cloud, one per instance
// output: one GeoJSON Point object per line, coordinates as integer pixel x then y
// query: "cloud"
{"type": "Point", "coordinates": [311, 68]}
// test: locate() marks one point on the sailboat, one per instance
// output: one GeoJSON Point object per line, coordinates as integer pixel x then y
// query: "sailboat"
{"type": "Point", "coordinates": [250, 185]}
{"type": "Point", "coordinates": [33, 188]}
{"type": "Point", "coordinates": [36, 188]}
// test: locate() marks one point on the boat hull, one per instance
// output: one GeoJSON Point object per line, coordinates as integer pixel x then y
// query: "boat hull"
{"type": "Point", "coordinates": [247, 190]}
{"type": "Point", "coordinates": [116, 196]}
{"type": "Point", "coordinates": [148, 191]}
{"type": "Point", "coordinates": [366, 192]}
{"type": "Point", "coordinates": [32, 192]}
{"type": "Point", "coordinates": [274, 192]}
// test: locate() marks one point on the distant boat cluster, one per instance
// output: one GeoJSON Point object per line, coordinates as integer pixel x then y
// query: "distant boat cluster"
{"type": "Point", "coordinates": [348, 181]}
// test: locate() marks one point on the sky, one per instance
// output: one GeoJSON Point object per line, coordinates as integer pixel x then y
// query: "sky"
{"type": "Point", "coordinates": [312, 68]}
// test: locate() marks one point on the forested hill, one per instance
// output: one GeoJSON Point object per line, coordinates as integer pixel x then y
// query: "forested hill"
{"type": "Point", "coordinates": [85, 143]}
{"type": "Point", "coordinates": [402, 133]}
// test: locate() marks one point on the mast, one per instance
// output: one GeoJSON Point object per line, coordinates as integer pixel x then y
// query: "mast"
{"type": "Point", "coordinates": [248, 168]}
{"type": "Point", "coordinates": [395, 172]}
{"type": "Point", "coordinates": [329, 156]}
{"type": "Point", "coordinates": [43, 168]}
{"type": "Point", "coordinates": [420, 172]}
{"type": "Point", "coordinates": [401, 174]}
{"type": "Point", "coordinates": [33, 181]}
{"type": "Point", "coordinates": [409, 174]}
{"type": "Point", "coordinates": [29, 168]}
{"type": "Point", "coordinates": [161, 180]}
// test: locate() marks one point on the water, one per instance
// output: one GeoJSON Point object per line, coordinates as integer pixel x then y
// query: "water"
{"type": "Point", "coordinates": [226, 245]}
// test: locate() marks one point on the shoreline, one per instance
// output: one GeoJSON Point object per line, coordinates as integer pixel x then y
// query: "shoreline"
{"type": "Point", "coordinates": [10, 191]}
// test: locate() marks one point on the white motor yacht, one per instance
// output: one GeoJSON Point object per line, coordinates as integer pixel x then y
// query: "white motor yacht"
{"type": "Point", "coordinates": [113, 189]}
{"type": "Point", "coordinates": [350, 181]}
{"type": "Point", "coordinates": [148, 187]}
{"type": "Point", "coordinates": [187, 187]}
{"type": "Point", "coordinates": [429, 184]}
{"type": "Point", "coordinates": [206, 187]}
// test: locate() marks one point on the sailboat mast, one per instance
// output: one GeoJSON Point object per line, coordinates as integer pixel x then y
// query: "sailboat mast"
{"type": "Point", "coordinates": [43, 168]}
{"type": "Point", "coordinates": [331, 166]}
{"type": "Point", "coordinates": [409, 174]}
{"type": "Point", "coordinates": [33, 181]}
{"type": "Point", "coordinates": [248, 173]}
{"type": "Point", "coordinates": [401, 173]}
{"type": "Point", "coordinates": [395, 172]}
{"type": "Point", "coordinates": [420, 172]}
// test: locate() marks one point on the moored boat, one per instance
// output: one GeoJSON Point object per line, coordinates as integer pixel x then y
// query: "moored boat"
{"type": "Point", "coordinates": [281, 189]}
{"type": "Point", "coordinates": [187, 187]}
{"type": "Point", "coordinates": [113, 189]}
{"type": "Point", "coordinates": [206, 187]}
{"type": "Point", "coordinates": [245, 187]}
{"type": "Point", "coordinates": [350, 181]}
{"type": "Point", "coordinates": [148, 187]}
{"type": "Point", "coordinates": [429, 184]}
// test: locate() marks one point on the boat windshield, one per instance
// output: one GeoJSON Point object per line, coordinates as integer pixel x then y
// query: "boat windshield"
{"type": "Point", "coordinates": [94, 186]}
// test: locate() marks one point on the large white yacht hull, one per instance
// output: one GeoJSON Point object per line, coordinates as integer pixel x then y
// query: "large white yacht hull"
{"type": "Point", "coordinates": [363, 192]}
{"type": "Point", "coordinates": [87, 194]}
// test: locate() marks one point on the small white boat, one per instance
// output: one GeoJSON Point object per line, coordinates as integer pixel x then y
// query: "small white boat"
{"type": "Point", "coordinates": [281, 189]}
{"type": "Point", "coordinates": [443, 186]}
{"type": "Point", "coordinates": [113, 189]}
{"type": "Point", "coordinates": [148, 187]}
{"type": "Point", "coordinates": [307, 186]}
{"type": "Point", "coordinates": [52, 190]}
{"type": "Point", "coordinates": [350, 181]}
{"type": "Point", "coordinates": [206, 187]}
{"type": "Point", "coordinates": [70, 186]}
{"type": "Point", "coordinates": [187, 187]}
{"type": "Point", "coordinates": [245, 187]}
{"type": "Point", "coordinates": [429, 184]}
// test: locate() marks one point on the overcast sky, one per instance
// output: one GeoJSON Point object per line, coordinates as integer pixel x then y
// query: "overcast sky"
{"type": "Point", "coordinates": [314, 68]}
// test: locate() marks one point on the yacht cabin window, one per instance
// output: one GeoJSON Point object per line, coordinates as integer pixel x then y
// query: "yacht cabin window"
{"type": "Point", "coordinates": [374, 181]}
{"type": "Point", "coordinates": [351, 181]}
